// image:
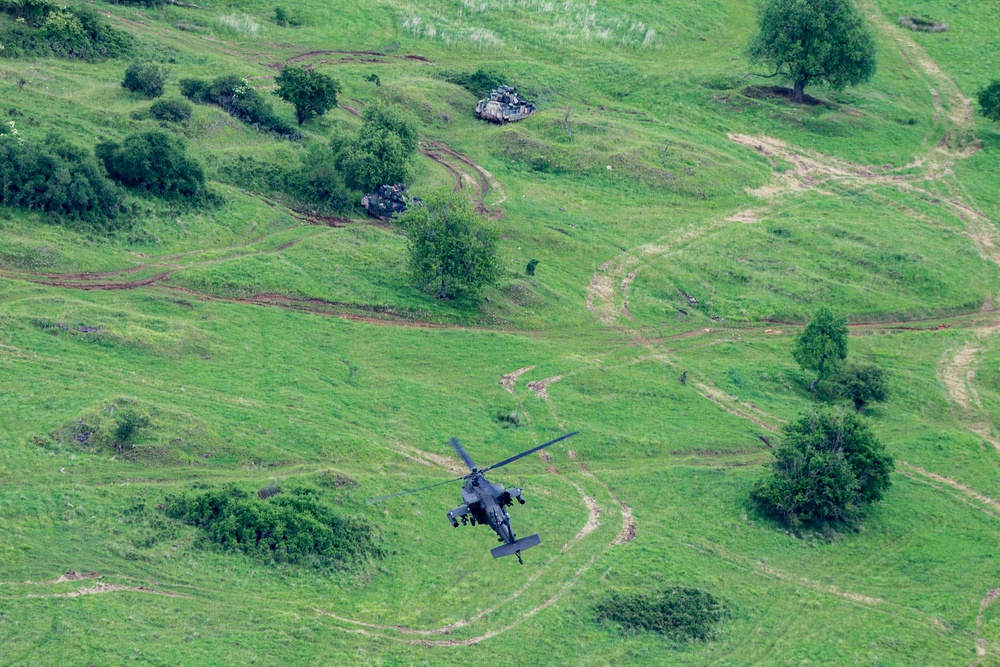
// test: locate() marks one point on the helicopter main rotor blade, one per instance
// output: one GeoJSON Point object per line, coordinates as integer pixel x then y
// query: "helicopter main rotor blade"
{"type": "Point", "coordinates": [462, 453]}
{"type": "Point", "coordinates": [406, 493]}
{"type": "Point", "coordinates": [530, 451]}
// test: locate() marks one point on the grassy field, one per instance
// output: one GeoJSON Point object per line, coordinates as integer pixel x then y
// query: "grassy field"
{"type": "Point", "coordinates": [683, 228]}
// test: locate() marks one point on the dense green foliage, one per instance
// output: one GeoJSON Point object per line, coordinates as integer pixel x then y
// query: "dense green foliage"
{"type": "Point", "coordinates": [57, 177]}
{"type": "Point", "coordinates": [814, 41]}
{"type": "Point", "coordinates": [128, 423]}
{"type": "Point", "coordinates": [154, 162]}
{"type": "Point", "coordinates": [314, 182]}
{"type": "Point", "coordinates": [681, 614]}
{"type": "Point", "coordinates": [282, 528]}
{"type": "Point", "coordinates": [863, 384]}
{"type": "Point", "coordinates": [239, 99]}
{"type": "Point", "coordinates": [380, 153]}
{"type": "Point", "coordinates": [452, 248]}
{"type": "Point", "coordinates": [480, 82]}
{"type": "Point", "coordinates": [311, 93]}
{"type": "Point", "coordinates": [287, 18]}
{"type": "Point", "coordinates": [829, 467]}
{"type": "Point", "coordinates": [41, 28]}
{"type": "Point", "coordinates": [822, 345]}
{"type": "Point", "coordinates": [989, 100]}
{"type": "Point", "coordinates": [171, 110]}
{"type": "Point", "coordinates": [146, 79]}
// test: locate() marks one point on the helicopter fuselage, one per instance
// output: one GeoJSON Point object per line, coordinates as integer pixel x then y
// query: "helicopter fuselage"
{"type": "Point", "coordinates": [487, 503]}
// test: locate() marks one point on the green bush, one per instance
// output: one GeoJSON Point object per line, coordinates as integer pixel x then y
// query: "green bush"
{"type": "Point", "coordinates": [239, 99]}
{"type": "Point", "coordinates": [154, 162]}
{"type": "Point", "coordinates": [171, 111]}
{"type": "Point", "coordinates": [682, 614]}
{"type": "Point", "coordinates": [315, 183]}
{"type": "Point", "coordinates": [287, 18]}
{"type": "Point", "coordinates": [57, 177]}
{"type": "Point", "coordinates": [285, 528]}
{"type": "Point", "coordinates": [40, 28]}
{"type": "Point", "coordinates": [863, 384]}
{"type": "Point", "coordinates": [128, 423]}
{"type": "Point", "coordinates": [145, 78]}
{"type": "Point", "coordinates": [829, 468]}
{"type": "Point", "coordinates": [989, 100]}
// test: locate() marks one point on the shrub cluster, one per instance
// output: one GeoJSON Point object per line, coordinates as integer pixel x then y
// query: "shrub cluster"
{"type": "Point", "coordinates": [58, 177]}
{"type": "Point", "coordinates": [989, 100]}
{"type": "Point", "coordinates": [145, 78]}
{"type": "Point", "coordinates": [682, 614]}
{"type": "Point", "coordinates": [42, 28]}
{"type": "Point", "coordinates": [829, 468]}
{"type": "Point", "coordinates": [154, 162]}
{"type": "Point", "coordinates": [920, 24]}
{"type": "Point", "coordinates": [171, 111]}
{"type": "Point", "coordinates": [239, 99]}
{"type": "Point", "coordinates": [285, 528]}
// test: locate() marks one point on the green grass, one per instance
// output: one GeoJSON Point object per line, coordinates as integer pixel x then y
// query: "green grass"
{"type": "Point", "coordinates": [255, 394]}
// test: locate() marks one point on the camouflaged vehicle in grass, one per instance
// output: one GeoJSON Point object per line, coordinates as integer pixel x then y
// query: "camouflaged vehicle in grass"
{"type": "Point", "coordinates": [504, 106]}
{"type": "Point", "coordinates": [387, 200]}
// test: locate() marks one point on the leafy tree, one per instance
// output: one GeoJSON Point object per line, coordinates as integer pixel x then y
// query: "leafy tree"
{"type": "Point", "coordinates": [989, 100]}
{"type": "Point", "coordinates": [311, 93]}
{"type": "Point", "coordinates": [155, 162]}
{"type": "Point", "coordinates": [829, 467]}
{"type": "Point", "coordinates": [381, 152]}
{"type": "Point", "coordinates": [863, 384]}
{"type": "Point", "coordinates": [452, 248]}
{"type": "Point", "coordinates": [807, 41]}
{"type": "Point", "coordinates": [822, 345]}
{"type": "Point", "coordinates": [145, 78]}
{"type": "Point", "coordinates": [128, 423]}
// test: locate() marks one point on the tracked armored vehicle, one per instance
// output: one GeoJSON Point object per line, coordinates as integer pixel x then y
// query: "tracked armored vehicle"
{"type": "Point", "coordinates": [387, 200]}
{"type": "Point", "coordinates": [504, 106]}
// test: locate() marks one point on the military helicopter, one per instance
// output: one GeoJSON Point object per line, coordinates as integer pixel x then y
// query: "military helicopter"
{"type": "Point", "coordinates": [485, 502]}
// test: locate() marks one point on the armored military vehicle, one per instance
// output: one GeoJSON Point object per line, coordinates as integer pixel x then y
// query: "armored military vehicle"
{"type": "Point", "coordinates": [504, 106]}
{"type": "Point", "coordinates": [387, 200]}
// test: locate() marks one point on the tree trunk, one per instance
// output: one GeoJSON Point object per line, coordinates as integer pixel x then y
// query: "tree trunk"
{"type": "Point", "coordinates": [815, 382]}
{"type": "Point", "coordinates": [859, 405]}
{"type": "Point", "coordinates": [798, 93]}
{"type": "Point", "coordinates": [443, 294]}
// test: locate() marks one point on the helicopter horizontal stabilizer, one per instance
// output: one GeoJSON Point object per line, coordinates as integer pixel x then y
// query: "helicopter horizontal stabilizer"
{"type": "Point", "coordinates": [520, 545]}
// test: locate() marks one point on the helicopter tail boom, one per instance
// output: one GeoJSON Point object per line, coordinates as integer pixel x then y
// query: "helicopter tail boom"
{"type": "Point", "coordinates": [516, 547]}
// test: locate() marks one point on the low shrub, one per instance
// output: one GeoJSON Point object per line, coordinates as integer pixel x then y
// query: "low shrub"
{"type": "Point", "coordinates": [239, 99]}
{"type": "Point", "coordinates": [921, 24]}
{"type": "Point", "coordinates": [154, 162]}
{"type": "Point", "coordinates": [288, 18]}
{"type": "Point", "coordinates": [145, 78]}
{"type": "Point", "coordinates": [284, 528]}
{"type": "Point", "coordinates": [57, 177]}
{"type": "Point", "coordinates": [681, 614]}
{"type": "Point", "coordinates": [171, 111]}
{"type": "Point", "coordinates": [40, 28]}
{"type": "Point", "coordinates": [239, 25]}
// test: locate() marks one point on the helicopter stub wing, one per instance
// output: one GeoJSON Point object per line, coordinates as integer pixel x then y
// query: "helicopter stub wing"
{"type": "Point", "coordinates": [514, 547]}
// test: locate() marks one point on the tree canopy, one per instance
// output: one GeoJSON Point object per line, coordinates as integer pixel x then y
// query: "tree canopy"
{"type": "Point", "coordinates": [989, 100]}
{"type": "Point", "coordinates": [814, 41]}
{"type": "Point", "coordinates": [311, 93]}
{"type": "Point", "coordinates": [381, 151]}
{"type": "Point", "coordinates": [822, 345]}
{"type": "Point", "coordinates": [829, 468]}
{"type": "Point", "coordinates": [863, 384]}
{"type": "Point", "coordinates": [452, 248]}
